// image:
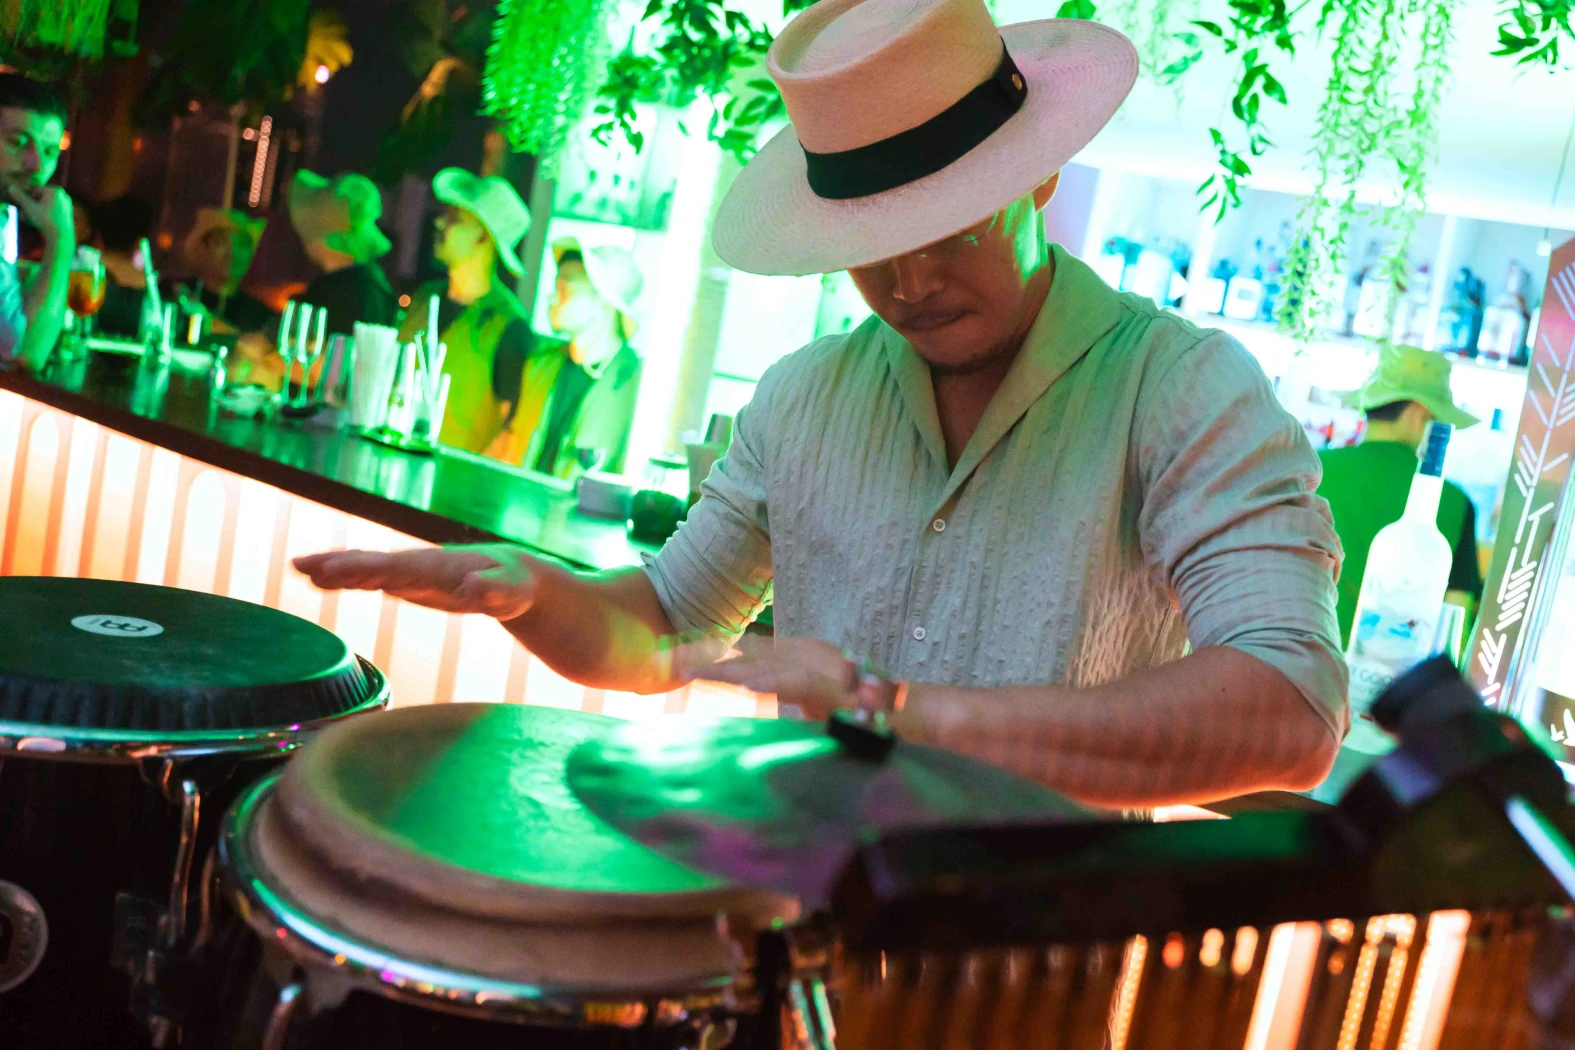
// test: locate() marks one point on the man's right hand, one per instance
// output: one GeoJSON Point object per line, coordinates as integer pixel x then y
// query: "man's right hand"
{"type": "Point", "coordinates": [48, 208]}
{"type": "Point", "coordinates": [492, 579]}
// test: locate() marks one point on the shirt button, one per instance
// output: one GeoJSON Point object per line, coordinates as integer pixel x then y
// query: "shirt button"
{"type": "Point", "coordinates": [939, 524]}
{"type": "Point", "coordinates": [918, 634]}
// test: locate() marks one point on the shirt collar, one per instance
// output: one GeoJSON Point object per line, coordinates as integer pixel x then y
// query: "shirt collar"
{"type": "Point", "coordinates": [1079, 310]}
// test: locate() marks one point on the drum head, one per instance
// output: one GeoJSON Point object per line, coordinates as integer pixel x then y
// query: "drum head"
{"type": "Point", "coordinates": [444, 838]}
{"type": "Point", "coordinates": [467, 806]}
{"type": "Point", "coordinates": [106, 655]}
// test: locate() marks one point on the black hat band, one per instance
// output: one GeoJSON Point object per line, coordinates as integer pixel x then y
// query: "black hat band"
{"type": "Point", "coordinates": [911, 155]}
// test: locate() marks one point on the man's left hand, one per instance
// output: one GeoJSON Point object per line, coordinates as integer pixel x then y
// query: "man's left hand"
{"type": "Point", "coordinates": [814, 676]}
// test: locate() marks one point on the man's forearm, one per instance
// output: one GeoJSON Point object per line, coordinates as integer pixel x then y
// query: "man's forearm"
{"type": "Point", "coordinates": [604, 630]}
{"type": "Point", "coordinates": [1214, 724]}
{"type": "Point", "coordinates": [45, 303]}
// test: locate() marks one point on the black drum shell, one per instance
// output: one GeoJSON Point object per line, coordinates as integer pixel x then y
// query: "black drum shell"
{"type": "Point", "coordinates": [75, 835]}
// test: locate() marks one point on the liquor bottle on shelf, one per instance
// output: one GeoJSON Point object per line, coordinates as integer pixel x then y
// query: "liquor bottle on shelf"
{"type": "Point", "coordinates": [1460, 324]}
{"type": "Point", "coordinates": [1506, 322]}
{"type": "Point", "coordinates": [1402, 593]}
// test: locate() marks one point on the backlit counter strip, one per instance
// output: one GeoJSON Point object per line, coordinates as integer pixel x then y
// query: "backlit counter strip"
{"type": "Point", "coordinates": [81, 499]}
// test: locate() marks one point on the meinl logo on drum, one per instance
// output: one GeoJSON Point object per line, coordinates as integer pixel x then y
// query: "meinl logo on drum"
{"type": "Point", "coordinates": [117, 626]}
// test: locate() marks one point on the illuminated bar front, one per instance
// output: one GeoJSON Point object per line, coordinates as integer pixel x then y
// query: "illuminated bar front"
{"type": "Point", "coordinates": [78, 498]}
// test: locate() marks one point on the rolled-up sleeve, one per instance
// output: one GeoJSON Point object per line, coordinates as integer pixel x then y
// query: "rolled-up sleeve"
{"type": "Point", "coordinates": [714, 575]}
{"type": "Point", "coordinates": [1232, 520]}
{"type": "Point", "coordinates": [13, 313]}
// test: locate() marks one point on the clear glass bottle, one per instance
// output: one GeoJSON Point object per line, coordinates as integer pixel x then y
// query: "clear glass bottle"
{"type": "Point", "coordinates": [1402, 594]}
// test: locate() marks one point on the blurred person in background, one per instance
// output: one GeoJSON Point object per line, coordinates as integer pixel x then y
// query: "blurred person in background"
{"type": "Point", "coordinates": [219, 250]}
{"type": "Point", "coordinates": [32, 310]}
{"type": "Point", "coordinates": [479, 316]}
{"type": "Point", "coordinates": [1367, 484]}
{"type": "Point", "coordinates": [577, 397]}
{"type": "Point", "coordinates": [337, 223]}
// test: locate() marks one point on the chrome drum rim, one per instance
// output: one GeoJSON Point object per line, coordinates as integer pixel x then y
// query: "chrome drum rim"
{"type": "Point", "coordinates": [86, 744]}
{"type": "Point", "coordinates": [314, 945]}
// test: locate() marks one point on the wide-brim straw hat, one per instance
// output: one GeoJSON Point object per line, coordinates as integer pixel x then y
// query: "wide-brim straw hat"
{"type": "Point", "coordinates": [913, 123]}
{"type": "Point", "coordinates": [211, 219]}
{"type": "Point", "coordinates": [494, 202]}
{"type": "Point", "coordinates": [342, 212]}
{"type": "Point", "coordinates": [1409, 373]}
{"type": "Point", "coordinates": [611, 270]}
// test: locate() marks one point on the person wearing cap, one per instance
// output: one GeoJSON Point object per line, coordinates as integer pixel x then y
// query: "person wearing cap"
{"type": "Point", "coordinates": [479, 317]}
{"type": "Point", "coordinates": [218, 250]}
{"type": "Point", "coordinates": [1366, 484]}
{"type": "Point", "coordinates": [577, 398]}
{"type": "Point", "coordinates": [336, 220]}
{"type": "Point", "coordinates": [1004, 506]}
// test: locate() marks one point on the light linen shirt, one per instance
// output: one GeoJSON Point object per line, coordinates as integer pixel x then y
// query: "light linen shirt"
{"type": "Point", "coordinates": [1133, 485]}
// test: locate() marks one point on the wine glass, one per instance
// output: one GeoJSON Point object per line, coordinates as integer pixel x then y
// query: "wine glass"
{"type": "Point", "coordinates": [85, 286]}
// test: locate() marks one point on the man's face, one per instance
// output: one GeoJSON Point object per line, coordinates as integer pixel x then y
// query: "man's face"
{"type": "Point", "coordinates": [29, 148]}
{"type": "Point", "coordinates": [573, 298]}
{"type": "Point", "coordinates": [226, 256]}
{"type": "Point", "coordinates": [460, 235]}
{"type": "Point", "coordinates": [963, 302]}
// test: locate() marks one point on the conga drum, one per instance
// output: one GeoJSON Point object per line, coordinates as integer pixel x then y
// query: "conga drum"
{"type": "Point", "coordinates": [426, 879]}
{"type": "Point", "coordinates": [130, 717]}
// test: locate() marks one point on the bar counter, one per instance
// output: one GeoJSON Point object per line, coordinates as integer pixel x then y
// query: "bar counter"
{"type": "Point", "coordinates": [452, 497]}
{"type": "Point", "coordinates": [107, 474]}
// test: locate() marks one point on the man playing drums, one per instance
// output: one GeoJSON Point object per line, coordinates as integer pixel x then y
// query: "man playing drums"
{"type": "Point", "coordinates": [1022, 492]}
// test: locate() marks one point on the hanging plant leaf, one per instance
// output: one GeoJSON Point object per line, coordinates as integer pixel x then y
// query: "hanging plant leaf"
{"type": "Point", "coordinates": [546, 60]}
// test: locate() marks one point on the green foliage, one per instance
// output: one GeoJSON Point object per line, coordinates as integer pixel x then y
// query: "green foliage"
{"type": "Point", "coordinates": [230, 54]}
{"type": "Point", "coordinates": [1531, 30]}
{"type": "Point", "coordinates": [1253, 27]}
{"type": "Point", "coordinates": [72, 28]}
{"type": "Point", "coordinates": [546, 59]}
{"type": "Point", "coordinates": [702, 49]}
{"type": "Point", "coordinates": [1357, 114]}
{"type": "Point", "coordinates": [1411, 143]}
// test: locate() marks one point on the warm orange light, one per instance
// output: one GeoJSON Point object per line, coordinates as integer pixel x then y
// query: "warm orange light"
{"type": "Point", "coordinates": [136, 144]}
{"type": "Point", "coordinates": [165, 239]}
{"type": "Point", "coordinates": [404, 300]}
{"type": "Point", "coordinates": [65, 141]}
{"type": "Point", "coordinates": [1212, 949]}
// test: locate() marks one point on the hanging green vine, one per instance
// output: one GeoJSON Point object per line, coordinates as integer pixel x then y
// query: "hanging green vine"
{"type": "Point", "coordinates": [1412, 145]}
{"type": "Point", "coordinates": [546, 60]}
{"type": "Point", "coordinates": [1250, 21]}
{"type": "Point", "coordinates": [1354, 118]}
{"type": "Point", "coordinates": [1532, 29]}
{"type": "Point", "coordinates": [703, 50]}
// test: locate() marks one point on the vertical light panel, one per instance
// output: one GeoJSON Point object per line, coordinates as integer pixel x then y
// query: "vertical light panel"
{"type": "Point", "coordinates": [31, 530]}
{"type": "Point", "coordinates": [85, 437]}
{"type": "Point", "coordinates": [486, 650]}
{"type": "Point", "coordinates": [106, 557]}
{"type": "Point", "coordinates": [158, 514]}
{"type": "Point", "coordinates": [256, 512]}
{"type": "Point", "coordinates": [197, 566]}
{"type": "Point", "coordinates": [10, 435]}
{"type": "Point", "coordinates": [1282, 993]}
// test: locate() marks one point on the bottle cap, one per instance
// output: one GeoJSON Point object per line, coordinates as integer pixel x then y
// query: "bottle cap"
{"type": "Point", "coordinates": [1434, 447]}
